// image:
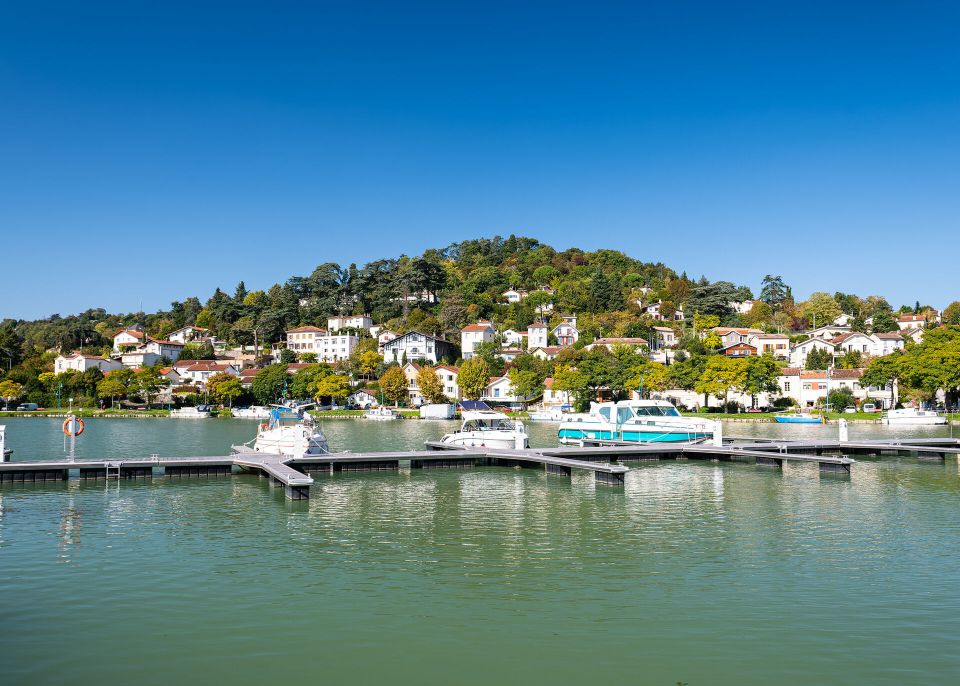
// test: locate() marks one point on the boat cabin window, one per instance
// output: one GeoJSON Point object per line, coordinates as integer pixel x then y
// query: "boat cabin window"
{"type": "Point", "coordinates": [605, 413]}
{"type": "Point", "coordinates": [656, 411]}
{"type": "Point", "coordinates": [498, 424]}
{"type": "Point", "coordinates": [623, 414]}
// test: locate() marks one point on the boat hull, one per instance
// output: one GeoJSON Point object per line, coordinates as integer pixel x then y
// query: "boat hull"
{"type": "Point", "coordinates": [914, 421]}
{"type": "Point", "coordinates": [486, 439]}
{"type": "Point", "coordinates": [575, 435]}
{"type": "Point", "coordinates": [798, 420]}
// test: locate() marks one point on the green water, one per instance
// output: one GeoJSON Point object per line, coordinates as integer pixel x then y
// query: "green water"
{"type": "Point", "coordinates": [700, 573]}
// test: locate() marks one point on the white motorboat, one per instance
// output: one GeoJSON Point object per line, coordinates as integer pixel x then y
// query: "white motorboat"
{"type": "Point", "coordinates": [5, 452]}
{"type": "Point", "coordinates": [290, 432]}
{"type": "Point", "coordinates": [198, 412]}
{"type": "Point", "coordinates": [636, 421]}
{"type": "Point", "coordinates": [252, 412]}
{"type": "Point", "coordinates": [547, 414]}
{"type": "Point", "coordinates": [381, 414]}
{"type": "Point", "coordinates": [482, 427]}
{"type": "Point", "coordinates": [911, 416]}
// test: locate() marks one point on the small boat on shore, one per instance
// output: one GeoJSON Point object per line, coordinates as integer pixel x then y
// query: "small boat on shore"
{"type": "Point", "coordinates": [381, 414]}
{"type": "Point", "coordinates": [799, 418]}
{"type": "Point", "coordinates": [548, 414]}
{"type": "Point", "coordinates": [483, 427]}
{"type": "Point", "coordinates": [252, 412]}
{"type": "Point", "coordinates": [912, 416]}
{"type": "Point", "coordinates": [198, 412]}
{"type": "Point", "coordinates": [290, 431]}
{"type": "Point", "coordinates": [635, 421]}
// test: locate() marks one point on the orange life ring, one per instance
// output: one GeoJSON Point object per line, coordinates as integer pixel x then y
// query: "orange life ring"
{"type": "Point", "coordinates": [263, 426]}
{"type": "Point", "coordinates": [66, 426]}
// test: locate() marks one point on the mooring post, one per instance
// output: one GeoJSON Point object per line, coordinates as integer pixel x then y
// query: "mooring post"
{"type": "Point", "coordinates": [717, 433]}
{"type": "Point", "coordinates": [844, 435]}
{"type": "Point", "coordinates": [3, 444]}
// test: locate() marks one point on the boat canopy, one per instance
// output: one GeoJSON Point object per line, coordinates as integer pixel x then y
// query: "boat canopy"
{"type": "Point", "coordinates": [474, 405]}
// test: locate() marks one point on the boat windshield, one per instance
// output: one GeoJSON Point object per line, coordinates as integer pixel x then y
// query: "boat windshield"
{"type": "Point", "coordinates": [655, 411]}
{"type": "Point", "coordinates": [498, 424]}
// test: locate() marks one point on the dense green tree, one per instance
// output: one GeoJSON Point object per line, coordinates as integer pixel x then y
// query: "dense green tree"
{"type": "Point", "coordinates": [393, 383]}
{"type": "Point", "coordinates": [269, 383]}
{"type": "Point", "coordinates": [884, 322]}
{"type": "Point", "coordinates": [473, 378]}
{"type": "Point", "coordinates": [431, 388]}
{"type": "Point", "coordinates": [821, 309]}
{"type": "Point", "coordinates": [774, 291]}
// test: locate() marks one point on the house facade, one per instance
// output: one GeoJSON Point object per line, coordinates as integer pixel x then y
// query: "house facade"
{"type": "Point", "coordinates": [514, 339]}
{"type": "Point", "coordinates": [776, 344]}
{"type": "Point", "coordinates": [473, 335]}
{"type": "Point", "coordinates": [610, 343]}
{"type": "Point", "coordinates": [739, 350]}
{"type": "Point", "coordinates": [554, 398]}
{"type": "Point", "coordinates": [810, 388]}
{"type": "Point", "coordinates": [199, 372]}
{"type": "Point", "coordinates": [352, 321]}
{"type": "Point", "coordinates": [126, 339]}
{"type": "Point", "coordinates": [418, 346]}
{"type": "Point", "coordinates": [798, 356]}
{"type": "Point", "coordinates": [79, 362]}
{"type": "Point", "coordinates": [566, 332]}
{"type": "Point", "coordinates": [663, 337]}
{"type": "Point", "coordinates": [188, 334]}
{"type": "Point", "coordinates": [537, 336]}
{"type": "Point", "coordinates": [326, 346]}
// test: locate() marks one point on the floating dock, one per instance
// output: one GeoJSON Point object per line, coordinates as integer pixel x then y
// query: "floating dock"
{"type": "Point", "coordinates": [601, 458]}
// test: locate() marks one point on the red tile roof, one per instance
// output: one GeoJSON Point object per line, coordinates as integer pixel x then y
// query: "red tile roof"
{"type": "Point", "coordinates": [480, 326]}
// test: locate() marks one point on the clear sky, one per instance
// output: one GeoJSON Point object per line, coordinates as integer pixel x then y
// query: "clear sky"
{"type": "Point", "coordinates": [150, 151]}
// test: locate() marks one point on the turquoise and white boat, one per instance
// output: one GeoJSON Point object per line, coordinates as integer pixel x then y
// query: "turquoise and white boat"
{"type": "Point", "coordinates": [798, 418]}
{"type": "Point", "coordinates": [636, 421]}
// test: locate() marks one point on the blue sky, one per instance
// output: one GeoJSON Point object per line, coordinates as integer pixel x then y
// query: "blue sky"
{"type": "Point", "coordinates": [153, 151]}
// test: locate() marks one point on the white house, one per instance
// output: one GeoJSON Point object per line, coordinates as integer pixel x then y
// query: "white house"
{"type": "Point", "coordinates": [566, 332]}
{"type": "Point", "coordinates": [201, 371]}
{"type": "Point", "coordinates": [514, 339]}
{"type": "Point", "coordinates": [546, 353]}
{"type": "Point", "coordinates": [798, 356]}
{"type": "Point", "coordinates": [509, 354]}
{"type": "Point", "coordinates": [448, 376]}
{"type": "Point", "coordinates": [916, 335]}
{"type": "Point", "coordinates": [809, 388]}
{"type": "Point", "coordinates": [171, 375]}
{"type": "Point", "coordinates": [188, 334]}
{"type": "Point", "coordinates": [731, 336]}
{"type": "Point", "coordinates": [776, 344]}
{"type": "Point", "coordinates": [79, 362]}
{"type": "Point", "coordinates": [414, 345]}
{"type": "Point", "coordinates": [854, 342]}
{"type": "Point", "coordinates": [554, 398]}
{"type": "Point", "coordinates": [326, 346]}
{"type": "Point", "coordinates": [886, 343]}
{"type": "Point", "coordinates": [352, 321]}
{"type": "Point", "coordinates": [384, 337]}
{"type": "Point", "coordinates": [139, 357]}
{"type": "Point", "coordinates": [473, 335]}
{"type": "Point", "coordinates": [653, 311]}
{"type": "Point", "coordinates": [513, 296]}
{"type": "Point", "coordinates": [537, 336]}
{"type": "Point", "coordinates": [168, 349]}
{"type": "Point", "coordinates": [127, 338]}
{"type": "Point", "coordinates": [663, 337]}
{"type": "Point", "coordinates": [828, 332]}
{"type": "Point", "coordinates": [911, 321]}
{"type": "Point", "coordinates": [363, 398]}
{"type": "Point", "coordinates": [500, 390]}
{"type": "Point", "coordinates": [742, 307]}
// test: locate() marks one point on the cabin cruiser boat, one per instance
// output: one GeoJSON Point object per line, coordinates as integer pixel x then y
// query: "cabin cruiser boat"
{"type": "Point", "coordinates": [798, 418]}
{"type": "Point", "coordinates": [290, 431]}
{"type": "Point", "coordinates": [198, 412]}
{"type": "Point", "coordinates": [252, 412]}
{"type": "Point", "coordinates": [485, 428]}
{"type": "Point", "coordinates": [5, 452]}
{"type": "Point", "coordinates": [911, 416]}
{"type": "Point", "coordinates": [547, 414]}
{"type": "Point", "coordinates": [635, 421]}
{"type": "Point", "coordinates": [381, 414]}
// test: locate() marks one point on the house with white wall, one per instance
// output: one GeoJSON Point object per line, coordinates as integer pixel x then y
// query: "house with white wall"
{"type": "Point", "coordinates": [853, 342]}
{"type": "Point", "coordinates": [414, 345]}
{"type": "Point", "coordinates": [126, 339]}
{"type": "Point", "coordinates": [513, 295]}
{"type": "Point", "coordinates": [188, 334]}
{"type": "Point", "coordinates": [79, 362]}
{"type": "Point", "coordinates": [448, 375]}
{"type": "Point", "coordinates": [199, 372]}
{"type": "Point", "coordinates": [663, 337]}
{"type": "Point", "coordinates": [546, 353]}
{"type": "Point", "coordinates": [911, 321]}
{"type": "Point", "coordinates": [514, 339]}
{"type": "Point", "coordinates": [500, 390]}
{"type": "Point", "coordinates": [886, 343]}
{"type": "Point", "coordinates": [320, 342]}
{"type": "Point", "coordinates": [537, 336]}
{"type": "Point", "coordinates": [654, 312]}
{"type": "Point", "coordinates": [776, 344]}
{"type": "Point", "coordinates": [473, 335]}
{"type": "Point", "coordinates": [553, 397]}
{"type": "Point", "coordinates": [810, 387]}
{"type": "Point", "coordinates": [567, 332]}
{"type": "Point", "coordinates": [350, 321]}
{"type": "Point", "coordinates": [384, 337]}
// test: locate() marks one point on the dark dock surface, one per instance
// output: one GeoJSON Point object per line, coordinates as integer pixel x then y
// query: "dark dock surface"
{"type": "Point", "coordinates": [603, 459]}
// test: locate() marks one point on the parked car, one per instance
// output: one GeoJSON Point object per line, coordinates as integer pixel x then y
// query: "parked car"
{"type": "Point", "coordinates": [869, 407]}
{"type": "Point", "coordinates": [28, 407]}
{"type": "Point", "coordinates": [850, 409]}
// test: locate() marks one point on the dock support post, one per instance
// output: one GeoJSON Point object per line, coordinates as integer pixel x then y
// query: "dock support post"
{"type": "Point", "coordinates": [835, 467]}
{"type": "Point", "coordinates": [297, 492]}
{"type": "Point", "coordinates": [557, 469]}
{"type": "Point", "coordinates": [609, 479]}
{"type": "Point", "coordinates": [776, 462]}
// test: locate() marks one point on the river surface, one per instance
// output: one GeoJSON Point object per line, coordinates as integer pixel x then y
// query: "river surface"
{"type": "Point", "coordinates": [694, 572]}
